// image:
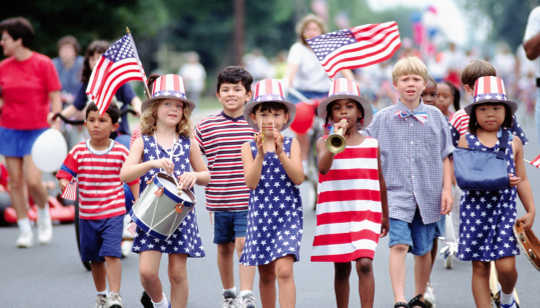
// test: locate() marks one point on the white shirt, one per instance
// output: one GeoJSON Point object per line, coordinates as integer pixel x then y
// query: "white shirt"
{"type": "Point", "coordinates": [533, 27]}
{"type": "Point", "coordinates": [310, 75]}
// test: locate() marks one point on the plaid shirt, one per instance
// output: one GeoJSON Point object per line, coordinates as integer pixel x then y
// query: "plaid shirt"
{"type": "Point", "coordinates": [411, 156]}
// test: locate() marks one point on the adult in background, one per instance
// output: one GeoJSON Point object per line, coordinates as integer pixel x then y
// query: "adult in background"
{"type": "Point", "coordinates": [305, 73]}
{"type": "Point", "coordinates": [30, 88]}
{"type": "Point", "coordinates": [69, 65]}
{"type": "Point", "coordinates": [531, 44]}
{"type": "Point", "coordinates": [194, 76]}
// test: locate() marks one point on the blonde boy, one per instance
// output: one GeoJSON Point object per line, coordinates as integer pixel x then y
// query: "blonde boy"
{"type": "Point", "coordinates": [415, 143]}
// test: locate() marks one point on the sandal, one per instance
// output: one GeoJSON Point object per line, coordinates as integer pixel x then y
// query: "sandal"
{"type": "Point", "coordinates": [401, 305]}
{"type": "Point", "coordinates": [417, 301]}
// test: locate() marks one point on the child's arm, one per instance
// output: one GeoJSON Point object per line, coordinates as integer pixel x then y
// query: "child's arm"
{"type": "Point", "coordinates": [252, 166]}
{"type": "Point", "coordinates": [446, 196]}
{"type": "Point", "coordinates": [133, 168]}
{"type": "Point", "coordinates": [201, 176]}
{"type": "Point", "coordinates": [293, 164]}
{"type": "Point", "coordinates": [324, 157]}
{"type": "Point", "coordinates": [385, 224]}
{"type": "Point", "coordinates": [524, 186]}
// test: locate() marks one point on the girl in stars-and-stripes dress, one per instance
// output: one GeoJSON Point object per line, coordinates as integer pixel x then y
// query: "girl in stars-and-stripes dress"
{"type": "Point", "coordinates": [349, 208]}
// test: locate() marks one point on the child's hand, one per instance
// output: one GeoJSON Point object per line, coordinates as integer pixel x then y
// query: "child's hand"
{"type": "Point", "coordinates": [446, 201]}
{"type": "Point", "coordinates": [259, 142]}
{"type": "Point", "coordinates": [278, 139]}
{"type": "Point", "coordinates": [526, 220]}
{"type": "Point", "coordinates": [187, 180]}
{"type": "Point", "coordinates": [385, 226]}
{"type": "Point", "coordinates": [342, 124]}
{"type": "Point", "coordinates": [63, 183]}
{"type": "Point", "coordinates": [165, 164]}
{"type": "Point", "coordinates": [514, 180]}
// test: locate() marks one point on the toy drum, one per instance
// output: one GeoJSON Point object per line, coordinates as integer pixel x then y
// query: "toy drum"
{"type": "Point", "coordinates": [529, 244]}
{"type": "Point", "coordinates": [161, 208]}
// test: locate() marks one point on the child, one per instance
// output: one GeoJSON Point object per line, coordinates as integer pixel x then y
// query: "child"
{"type": "Point", "coordinates": [101, 207]}
{"type": "Point", "coordinates": [447, 95]}
{"type": "Point", "coordinates": [352, 192]}
{"type": "Point", "coordinates": [429, 95]}
{"type": "Point", "coordinates": [487, 217]}
{"type": "Point", "coordinates": [415, 144]}
{"type": "Point", "coordinates": [165, 146]}
{"type": "Point", "coordinates": [273, 168]}
{"type": "Point", "coordinates": [220, 138]}
{"type": "Point", "coordinates": [459, 122]}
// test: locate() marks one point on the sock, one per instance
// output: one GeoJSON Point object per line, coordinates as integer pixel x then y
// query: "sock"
{"type": "Point", "coordinates": [506, 299]}
{"type": "Point", "coordinates": [244, 292]}
{"type": "Point", "coordinates": [163, 304]}
{"type": "Point", "coordinates": [104, 292]}
{"type": "Point", "coordinates": [43, 212]}
{"type": "Point", "coordinates": [24, 225]}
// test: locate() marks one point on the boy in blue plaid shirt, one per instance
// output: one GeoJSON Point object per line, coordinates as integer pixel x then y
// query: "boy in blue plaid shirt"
{"type": "Point", "coordinates": [415, 145]}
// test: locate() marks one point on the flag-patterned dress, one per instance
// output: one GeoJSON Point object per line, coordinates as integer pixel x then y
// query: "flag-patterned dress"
{"type": "Point", "coordinates": [275, 221]}
{"type": "Point", "coordinates": [186, 239]}
{"type": "Point", "coordinates": [487, 217]}
{"type": "Point", "coordinates": [349, 208]}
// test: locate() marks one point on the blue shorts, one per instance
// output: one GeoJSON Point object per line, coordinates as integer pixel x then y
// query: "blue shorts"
{"type": "Point", "coordinates": [101, 238]}
{"type": "Point", "coordinates": [18, 142]}
{"type": "Point", "coordinates": [229, 225]}
{"type": "Point", "coordinates": [417, 235]}
{"type": "Point", "coordinates": [441, 225]}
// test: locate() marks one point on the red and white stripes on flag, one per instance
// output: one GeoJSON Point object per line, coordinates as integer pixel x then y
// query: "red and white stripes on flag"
{"type": "Point", "coordinates": [356, 47]}
{"type": "Point", "coordinates": [119, 64]}
{"type": "Point", "coordinates": [70, 192]}
{"type": "Point", "coordinates": [535, 162]}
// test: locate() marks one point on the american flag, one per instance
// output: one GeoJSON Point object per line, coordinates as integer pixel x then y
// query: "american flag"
{"type": "Point", "coordinates": [535, 162]}
{"type": "Point", "coordinates": [70, 192]}
{"type": "Point", "coordinates": [356, 47]}
{"type": "Point", "coordinates": [119, 64]}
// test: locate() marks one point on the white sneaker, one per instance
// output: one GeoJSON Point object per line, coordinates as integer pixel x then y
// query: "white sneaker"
{"type": "Point", "coordinates": [25, 240]}
{"type": "Point", "coordinates": [45, 231]}
{"type": "Point", "coordinates": [247, 300]}
{"type": "Point", "coordinates": [114, 300]}
{"type": "Point", "coordinates": [229, 300]}
{"type": "Point", "coordinates": [101, 301]}
{"type": "Point", "coordinates": [429, 296]}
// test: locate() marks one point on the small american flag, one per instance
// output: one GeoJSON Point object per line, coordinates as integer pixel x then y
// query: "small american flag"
{"type": "Point", "coordinates": [119, 64]}
{"type": "Point", "coordinates": [356, 47]}
{"type": "Point", "coordinates": [70, 192]}
{"type": "Point", "coordinates": [535, 162]}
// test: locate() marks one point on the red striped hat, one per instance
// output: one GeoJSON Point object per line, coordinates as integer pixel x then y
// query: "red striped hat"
{"type": "Point", "coordinates": [169, 86]}
{"type": "Point", "coordinates": [490, 89]}
{"type": "Point", "coordinates": [343, 88]}
{"type": "Point", "coordinates": [269, 90]}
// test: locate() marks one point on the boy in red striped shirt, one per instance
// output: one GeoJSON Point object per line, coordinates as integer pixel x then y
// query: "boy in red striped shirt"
{"type": "Point", "coordinates": [96, 164]}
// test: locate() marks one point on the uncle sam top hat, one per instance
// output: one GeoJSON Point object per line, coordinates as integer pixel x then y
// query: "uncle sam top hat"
{"type": "Point", "coordinates": [269, 90]}
{"type": "Point", "coordinates": [342, 88]}
{"type": "Point", "coordinates": [169, 86]}
{"type": "Point", "coordinates": [490, 89]}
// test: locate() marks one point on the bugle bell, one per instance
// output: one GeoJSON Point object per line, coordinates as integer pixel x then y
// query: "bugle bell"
{"type": "Point", "coordinates": [335, 143]}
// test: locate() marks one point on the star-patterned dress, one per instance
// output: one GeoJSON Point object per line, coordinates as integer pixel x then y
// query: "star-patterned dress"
{"type": "Point", "coordinates": [487, 217]}
{"type": "Point", "coordinates": [275, 221]}
{"type": "Point", "coordinates": [186, 239]}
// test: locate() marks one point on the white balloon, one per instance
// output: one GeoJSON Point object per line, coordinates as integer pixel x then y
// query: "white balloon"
{"type": "Point", "coordinates": [49, 150]}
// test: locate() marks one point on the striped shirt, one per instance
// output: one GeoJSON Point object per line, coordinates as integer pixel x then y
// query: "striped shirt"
{"type": "Point", "coordinates": [349, 209]}
{"type": "Point", "coordinates": [220, 138]}
{"type": "Point", "coordinates": [412, 157]}
{"type": "Point", "coordinates": [101, 192]}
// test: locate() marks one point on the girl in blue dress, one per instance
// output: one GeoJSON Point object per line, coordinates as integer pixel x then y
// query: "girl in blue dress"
{"type": "Point", "coordinates": [166, 146]}
{"type": "Point", "coordinates": [273, 168]}
{"type": "Point", "coordinates": [487, 216]}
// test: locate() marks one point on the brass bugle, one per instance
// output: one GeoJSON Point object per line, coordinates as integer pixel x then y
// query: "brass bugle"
{"type": "Point", "coordinates": [335, 143]}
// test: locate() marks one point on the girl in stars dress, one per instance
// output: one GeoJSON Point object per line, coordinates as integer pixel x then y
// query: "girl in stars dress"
{"type": "Point", "coordinates": [165, 146]}
{"type": "Point", "coordinates": [273, 168]}
{"type": "Point", "coordinates": [487, 216]}
{"type": "Point", "coordinates": [352, 208]}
